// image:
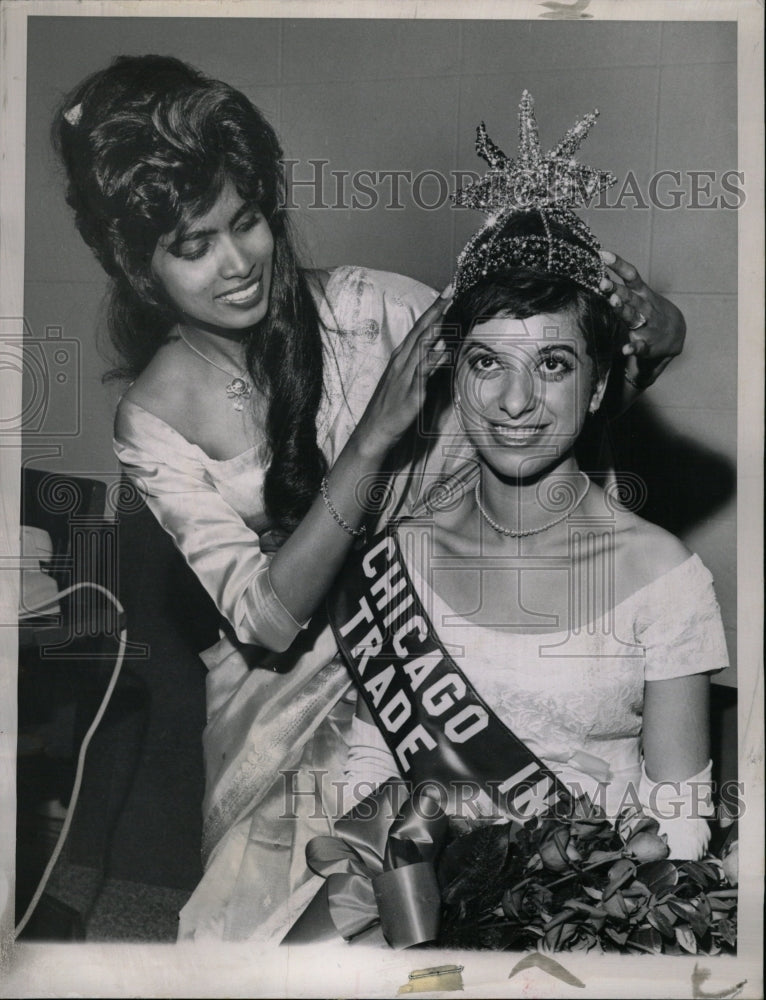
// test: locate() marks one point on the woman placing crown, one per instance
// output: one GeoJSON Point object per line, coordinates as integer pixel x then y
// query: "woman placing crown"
{"type": "Point", "coordinates": [261, 395]}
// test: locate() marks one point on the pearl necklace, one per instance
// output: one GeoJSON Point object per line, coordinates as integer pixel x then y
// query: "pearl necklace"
{"type": "Point", "coordinates": [511, 533]}
{"type": "Point", "coordinates": [239, 389]}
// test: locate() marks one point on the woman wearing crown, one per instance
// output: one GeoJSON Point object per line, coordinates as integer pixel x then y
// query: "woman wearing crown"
{"type": "Point", "coordinates": [536, 603]}
{"type": "Point", "coordinates": [530, 640]}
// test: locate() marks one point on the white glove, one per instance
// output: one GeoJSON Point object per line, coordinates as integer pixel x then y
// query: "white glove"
{"type": "Point", "coordinates": [680, 808]}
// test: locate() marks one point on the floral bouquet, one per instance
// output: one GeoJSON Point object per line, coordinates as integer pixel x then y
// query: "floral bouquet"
{"type": "Point", "coordinates": [580, 883]}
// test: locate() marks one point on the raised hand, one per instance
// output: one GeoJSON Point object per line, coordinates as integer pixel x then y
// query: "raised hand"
{"type": "Point", "coordinates": [400, 393]}
{"type": "Point", "coordinates": [304, 567]}
{"type": "Point", "coordinates": [657, 327]}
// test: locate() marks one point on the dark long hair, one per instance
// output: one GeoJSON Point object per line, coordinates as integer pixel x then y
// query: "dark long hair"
{"type": "Point", "coordinates": [150, 142]}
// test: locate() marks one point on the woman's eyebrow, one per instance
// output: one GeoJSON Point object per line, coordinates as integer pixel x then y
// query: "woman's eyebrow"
{"type": "Point", "coordinates": [541, 348]}
{"type": "Point", "coordinates": [479, 345]}
{"type": "Point", "coordinates": [244, 208]}
{"type": "Point", "coordinates": [197, 234]}
{"type": "Point", "coordinates": [567, 345]}
{"type": "Point", "coordinates": [192, 234]}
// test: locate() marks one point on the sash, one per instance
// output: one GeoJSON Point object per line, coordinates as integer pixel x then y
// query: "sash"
{"type": "Point", "coordinates": [440, 731]}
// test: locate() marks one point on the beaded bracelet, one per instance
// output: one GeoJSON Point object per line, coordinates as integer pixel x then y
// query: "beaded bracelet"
{"type": "Point", "coordinates": [360, 532]}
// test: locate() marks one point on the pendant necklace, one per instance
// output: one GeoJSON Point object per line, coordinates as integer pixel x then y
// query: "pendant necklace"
{"type": "Point", "coordinates": [513, 533]}
{"type": "Point", "coordinates": [239, 389]}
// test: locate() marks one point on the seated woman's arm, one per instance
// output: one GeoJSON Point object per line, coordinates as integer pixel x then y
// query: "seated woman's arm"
{"type": "Point", "coordinates": [683, 639]}
{"type": "Point", "coordinates": [675, 783]}
{"type": "Point", "coordinates": [676, 727]}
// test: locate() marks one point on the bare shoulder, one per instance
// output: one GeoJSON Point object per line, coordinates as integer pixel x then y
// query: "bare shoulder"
{"type": "Point", "coordinates": [162, 388]}
{"type": "Point", "coordinates": [644, 552]}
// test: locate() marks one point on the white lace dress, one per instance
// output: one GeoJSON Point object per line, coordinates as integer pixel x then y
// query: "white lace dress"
{"type": "Point", "coordinates": [576, 698]}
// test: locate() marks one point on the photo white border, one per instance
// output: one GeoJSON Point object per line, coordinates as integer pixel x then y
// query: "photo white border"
{"type": "Point", "coordinates": [339, 970]}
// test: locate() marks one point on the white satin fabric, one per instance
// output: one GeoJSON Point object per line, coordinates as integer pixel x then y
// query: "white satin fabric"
{"type": "Point", "coordinates": [275, 694]}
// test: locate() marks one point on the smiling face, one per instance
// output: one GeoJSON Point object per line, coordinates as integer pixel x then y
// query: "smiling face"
{"type": "Point", "coordinates": [216, 268]}
{"type": "Point", "coordinates": [523, 388]}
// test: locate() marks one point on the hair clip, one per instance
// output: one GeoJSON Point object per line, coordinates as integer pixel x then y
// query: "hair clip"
{"type": "Point", "coordinates": [74, 114]}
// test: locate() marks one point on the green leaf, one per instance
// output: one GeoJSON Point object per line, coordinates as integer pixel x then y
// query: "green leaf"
{"type": "Point", "coordinates": [635, 890]}
{"type": "Point", "coordinates": [619, 937]}
{"type": "Point", "coordinates": [601, 857]}
{"type": "Point", "coordinates": [704, 909]}
{"type": "Point", "coordinates": [685, 937]}
{"type": "Point", "coordinates": [622, 869]}
{"type": "Point", "coordinates": [615, 906]}
{"type": "Point", "coordinates": [552, 938]}
{"type": "Point", "coordinates": [657, 875]}
{"type": "Point", "coordinates": [512, 900]}
{"type": "Point", "coordinates": [584, 943]}
{"type": "Point", "coordinates": [641, 912]}
{"type": "Point", "coordinates": [705, 876]}
{"type": "Point", "coordinates": [620, 872]}
{"type": "Point", "coordinates": [727, 931]}
{"type": "Point", "coordinates": [581, 907]}
{"type": "Point", "coordinates": [722, 905]}
{"type": "Point", "coordinates": [560, 918]}
{"type": "Point", "coordinates": [667, 913]}
{"type": "Point", "coordinates": [568, 932]}
{"type": "Point", "coordinates": [690, 912]}
{"type": "Point", "coordinates": [646, 939]}
{"type": "Point", "coordinates": [661, 923]}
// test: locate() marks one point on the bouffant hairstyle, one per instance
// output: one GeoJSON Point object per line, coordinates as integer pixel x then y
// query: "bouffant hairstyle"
{"type": "Point", "coordinates": [147, 145]}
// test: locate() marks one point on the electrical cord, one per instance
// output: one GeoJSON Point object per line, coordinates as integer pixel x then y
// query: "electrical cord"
{"type": "Point", "coordinates": [83, 748]}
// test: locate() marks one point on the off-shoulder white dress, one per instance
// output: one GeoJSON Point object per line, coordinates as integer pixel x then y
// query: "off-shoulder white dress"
{"type": "Point", "coordinates": [576, 698]}
{"type": "Point", "coordinates": [275, 689]}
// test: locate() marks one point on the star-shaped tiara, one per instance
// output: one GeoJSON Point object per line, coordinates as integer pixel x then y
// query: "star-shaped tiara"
{"type": "Point", "coordinates": [551, 185]}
